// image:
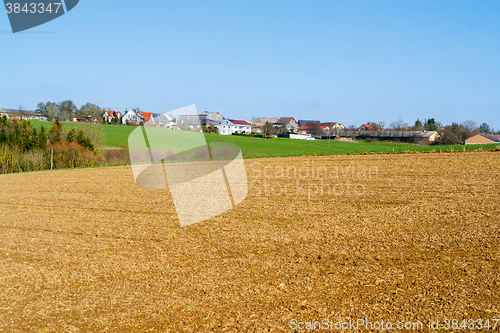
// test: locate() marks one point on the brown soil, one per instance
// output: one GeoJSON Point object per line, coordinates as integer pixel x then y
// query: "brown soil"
{"type": "Point", "coordinates": [88, 251]}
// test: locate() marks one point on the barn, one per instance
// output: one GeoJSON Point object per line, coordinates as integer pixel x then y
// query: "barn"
{"type": "Point", "coordinates": [482, 139]}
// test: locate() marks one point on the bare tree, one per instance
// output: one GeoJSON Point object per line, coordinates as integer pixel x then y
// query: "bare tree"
{"type": "Point", "coordinates": [398, 125]}
{"type": "Point", "coordinates": [21, 112]}
{"type": "Point", "coordinates": [269, 129]}
{"type": "Point", "coordinates": [314, 128]}
{"type": "Point", "coordinates": [91, 110]}
{"type": "Point", "coordinates": [470, 125]}
{"type": "Point", "coordinates": [283, 128]}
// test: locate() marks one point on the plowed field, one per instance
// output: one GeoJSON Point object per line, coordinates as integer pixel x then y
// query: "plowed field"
{"type": "Point", "coordinates": [397, 238]}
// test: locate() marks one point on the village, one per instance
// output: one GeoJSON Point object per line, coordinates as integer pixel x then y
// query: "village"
{"type": "Point", "coordinates": [283, 127]}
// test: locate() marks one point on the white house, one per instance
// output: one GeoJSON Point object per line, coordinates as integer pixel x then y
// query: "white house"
{"type": "Point", "coordinates": [228, 127]}
{"type": "Point", "coordinates": [337, 126]}
{"type": "Point", "coordinates": [133, 116]}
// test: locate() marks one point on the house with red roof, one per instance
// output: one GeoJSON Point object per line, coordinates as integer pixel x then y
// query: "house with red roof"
{"type": "Point", "coordinates": [230, 126]}
{"type": "Point", "coordinates": [365, 127]}
{"type": "Point", "coordinates": [310, 128]}
{"type": "Point", "coordinates": [109, 115]}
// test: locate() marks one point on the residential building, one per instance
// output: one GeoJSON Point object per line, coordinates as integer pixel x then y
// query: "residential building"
{"type": "Point", "coordinates": [308, 129]}
{"type": "Point", "coordinates": [19, 114]}
{"type": "Point", "coordinates": [228, 127]}
{"type": "Point", "coordinates": [162, 120]}
{"type": "Point", "coordinates": [109, 115]}
{"type": "Point", "coordinates": [133, 115]}
{"type": "Point", "coordinates": [303, 122]}
{"type": "Point", "coordinates": [264, 120]}
{"type": "Point", "coordinates": [290, 122]}
{"type": "Point", "coordinates": [199, 119]}
{"type": "Point", "coordinates": [365, 127]}
{"type": "Point", "coordinates": [336, 126]}
{"type": "Point", "coordinates": [256, 127]}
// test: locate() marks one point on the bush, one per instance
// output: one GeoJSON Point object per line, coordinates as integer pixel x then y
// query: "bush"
{"type": "Point", "coordinates": [72, 155]}
{"type": "Point", "coordinates": [15, 160]}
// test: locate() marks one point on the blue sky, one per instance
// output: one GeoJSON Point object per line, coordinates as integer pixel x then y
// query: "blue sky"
{"type": "Point", "coordinates": [345, 61]}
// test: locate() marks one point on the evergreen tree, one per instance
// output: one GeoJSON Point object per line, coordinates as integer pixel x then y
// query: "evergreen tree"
{"type": "Point", "coordinates": [71, 135]}
{"type": "Point", "coordinates": [3, 136]}
{"type": "Point", "coordinates": [42, 139]}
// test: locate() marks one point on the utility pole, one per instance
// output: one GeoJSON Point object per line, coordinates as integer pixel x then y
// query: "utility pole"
{"type": "Point", "coordinates": [51, 158]}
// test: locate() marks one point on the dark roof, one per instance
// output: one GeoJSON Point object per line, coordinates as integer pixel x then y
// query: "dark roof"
{"type": "Point", "coordinates": [284, 120]}
{"type": "Point", "coordinates": [495, 138]}
{"type": "Point", "coordinates": [303, 122]}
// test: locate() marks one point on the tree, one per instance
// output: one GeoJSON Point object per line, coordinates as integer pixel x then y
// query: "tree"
{"type": "Point", "coordinates": [3, 136]}
{"type": "Point", "coordinates": [376, 126]}
{"type": "Point", "coordinates": [48, 109]}
{"type": "Point", "coordinates": [398, 125]}
{"type": "Point", "coordinates": [283, 128]}
{"type": "Point", "coordinates": [431, 125]}
{"type": "Point", "coordinates": [269, 129]}
{"type": "Point", "coordinates": [314, 128]}
{"type": "Point", "coordinates": [70, 137]}
{"type": "Point", "coordinates": [84, 141]}
{"type": "Point", "coordinates": [42, 139]}
{"type": "Point", "coordinates": [55, 131]}
{"type": "Point", "coordinates": [484, 128]}
{"type": "Point", "coordinates": [418, 125]}
{"type": "Point", "coordinates": [66, 109]}
{"type": "Point", "coordinates": [21, 111]}
{"type": "Point", "coordinates": [470, 125]}
{"type": "Point", "coordinates": [91, 110]}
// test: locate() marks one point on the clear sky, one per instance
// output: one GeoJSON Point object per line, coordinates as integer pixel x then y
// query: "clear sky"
{"type": "Point", "coordinates": [345, 61]}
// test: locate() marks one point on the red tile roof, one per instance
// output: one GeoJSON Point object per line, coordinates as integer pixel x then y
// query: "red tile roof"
{"type": "Point", "coordinates": [240, 122]}
{"type": "Point", "coordinates": [495, 138]}
{"type": "Point", "coordinates": [147, 115]}
{"type": "Point", "coordinates": [309, 127]}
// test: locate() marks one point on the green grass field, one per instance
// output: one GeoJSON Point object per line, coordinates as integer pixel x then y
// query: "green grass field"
{"type": "Point", "coordinates": [116, 136]}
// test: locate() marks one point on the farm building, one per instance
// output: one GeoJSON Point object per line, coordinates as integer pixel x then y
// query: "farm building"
{"type": "Point", "coordinates": [228, 127]}
{"type": "Point", "coordinates": [482, 139]}
{"type": "Point", "coordinates": [430, 136]}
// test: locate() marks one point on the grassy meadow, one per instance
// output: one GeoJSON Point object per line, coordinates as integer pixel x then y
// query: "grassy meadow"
{"type": "Point", "coordinates": [117, 136]}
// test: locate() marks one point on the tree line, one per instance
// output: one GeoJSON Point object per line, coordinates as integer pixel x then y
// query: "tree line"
{"type": "Point", "coordinates": [24, 148]}
{"type": "Point", "coordinates": [449, 134]}
{"type": "Point", "coordinates": [67, 109]}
